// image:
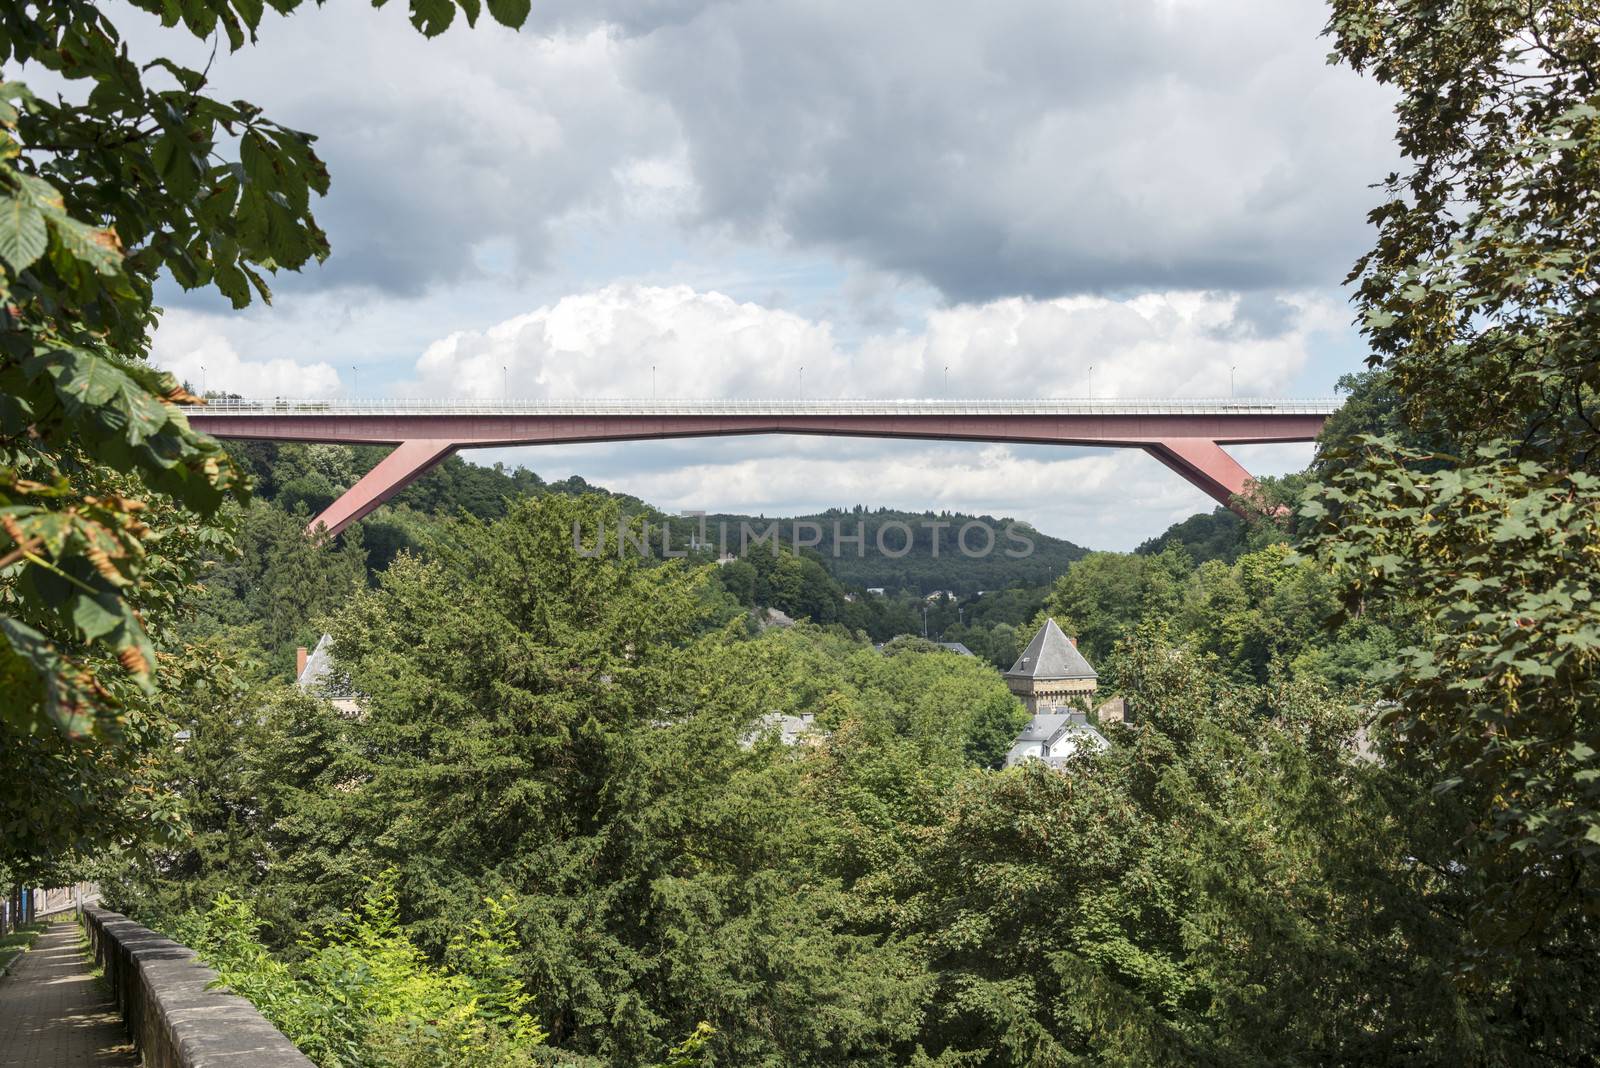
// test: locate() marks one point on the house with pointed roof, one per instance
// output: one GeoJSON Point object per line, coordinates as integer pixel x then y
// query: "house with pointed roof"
{"type": "Point", "coordinates": [1051, 671]}
{"type": "Point", "coordinates": [314, 674]}
{"type": "Point", "coordinates": [1053, 735]}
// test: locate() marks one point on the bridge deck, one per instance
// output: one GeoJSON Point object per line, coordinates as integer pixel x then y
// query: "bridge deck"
{"type": "Point", "coordinates": [1185, 435]}
{"type": "Point", "coordinates": [1062, 406]}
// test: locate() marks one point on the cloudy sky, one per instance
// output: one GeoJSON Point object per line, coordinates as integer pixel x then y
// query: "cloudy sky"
{"type": "Point", "coordinates": [729, 190]}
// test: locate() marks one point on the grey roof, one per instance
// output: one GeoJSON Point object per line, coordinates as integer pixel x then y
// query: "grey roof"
{"type": "Point", "coordinates": [1043, 727]}
{"type": "Point", "coordinates": [956, 647]}
{"type": "Point", "coordinates": [1046, 729]}
{"type": "Point", "coordinates": [1051, 655]}
{"type": "Point", "coordinates": [319, 665]}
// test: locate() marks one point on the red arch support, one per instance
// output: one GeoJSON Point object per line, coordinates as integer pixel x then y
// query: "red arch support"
{"type": "Point", "coordinates": [1205, 464]}
{"type": "Point", "coordinates": [409, 461]}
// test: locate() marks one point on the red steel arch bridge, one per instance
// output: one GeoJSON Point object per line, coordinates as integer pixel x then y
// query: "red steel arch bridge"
{"type": "Point", "coordinates": [1186, 435]}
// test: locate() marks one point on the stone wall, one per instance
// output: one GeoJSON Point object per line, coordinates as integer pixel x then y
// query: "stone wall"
{"type": "Point", "coordinates": [176, 1021]}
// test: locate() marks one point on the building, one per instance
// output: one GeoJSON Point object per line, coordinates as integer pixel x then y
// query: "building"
{"type": "Point", "coordinates": [1053, 736]}
{"type": "Point", "coordinates": [1051, 671]}
{"type": "Point", "coordinates": [959, 648]}
{"type": "Point", "coordinates": [314, 674]}
{"type": "Point", "coordinates": [790, 730]}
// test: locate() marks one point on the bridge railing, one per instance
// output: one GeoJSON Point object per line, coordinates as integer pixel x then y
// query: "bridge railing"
{"type": "Point", "coordinates": [469, 407]}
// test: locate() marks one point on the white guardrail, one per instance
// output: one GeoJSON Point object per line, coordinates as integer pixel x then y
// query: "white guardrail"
{"type": "Point", "coordinates": [336, 408]}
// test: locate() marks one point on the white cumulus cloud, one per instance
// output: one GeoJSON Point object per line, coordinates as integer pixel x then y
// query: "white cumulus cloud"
{"type": "Point", "coordinates": [197, 351]}
{"type": "Point", "coordinates": [605, 343]}
{"type": "Point", "coordinates": [706, 345]}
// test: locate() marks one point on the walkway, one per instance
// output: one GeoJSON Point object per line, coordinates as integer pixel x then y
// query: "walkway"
{"type": "Point", "coordinates": [53, 1012]}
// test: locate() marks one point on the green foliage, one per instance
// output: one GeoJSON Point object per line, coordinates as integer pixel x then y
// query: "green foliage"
{"type": "Point", "coordinates": [1154, 904]}
{"type": "Point", "coordinates": [569, 742]}
{"type": "Point", "coordinates": [1497, 697]}
{"type": "Point", "coordinates": [1217, 536]}
{"type": "Point", "coordinates": [1477, 297]}
{"type": "Point", "coordinates": [577, 744]}
{"type": "Point", "coordinates": [1476, 518]}
{"type": "Point", "coordinates": [1103, 594]}
{"type": "Point", "coordinates": [89, 441]}
{"type": "Point", "coordinates": [1269, 610]}
{"type": "Point", "coordinates": [363, 996]}
{"type": "Point", "coordinates": [108, 500]}
{"type": "Point", "coordinates": [691, 1051]}
{"type": "Point", "coordinates": [209, 767]}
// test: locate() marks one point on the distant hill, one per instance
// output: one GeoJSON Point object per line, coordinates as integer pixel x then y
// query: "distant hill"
{"type": "Point", "coordinates": [1220, 535]}
{"type": "Point", "coordinates": [932, 561]}
{"type": "Point", "coordinates": [312, 476]}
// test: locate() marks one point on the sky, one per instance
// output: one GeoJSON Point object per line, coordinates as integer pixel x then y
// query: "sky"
{"type": "Point", "coordinates": [1019, 198]}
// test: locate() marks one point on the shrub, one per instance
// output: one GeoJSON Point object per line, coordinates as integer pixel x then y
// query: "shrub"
{"type": "Point", "coordinates": [364, 996]}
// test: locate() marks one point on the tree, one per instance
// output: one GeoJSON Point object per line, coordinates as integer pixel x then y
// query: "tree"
{"type": "Point", "coordinates": [1219, 535]}
{"type": "Point", "coordinates": [1497, 696]}
{"type": "Point", "coordinates": [107, 497]}
{"type": "Point", "coordinates": [1153, 904]}
{"type": "Point", "coordinates": [1103, 595]}
{"type": "Point", "coordinates": [1479, 303]}
{"type": "Point", "coordinates": [568, 741]}
{"type": "Point", "coordinates": [209, 770]}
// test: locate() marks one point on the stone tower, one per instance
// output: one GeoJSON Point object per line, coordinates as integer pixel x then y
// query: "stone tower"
{"type": "Point", "coordinates": [1050, 670]}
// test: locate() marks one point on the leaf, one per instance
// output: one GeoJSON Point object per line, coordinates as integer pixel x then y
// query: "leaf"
{"type": "Point", "coordinates": [27, 661]}
{"type": "Point", "coordinates": [23, 236]}
{"type": "Point", "coordinates": [87, 379]}
{"type": "Point", "coordinates": [432, 17]}
{"type": "Point", "coordinates": [98, 616]}
{"type": "Point", "coordinates": [257, 159]}
{"type": "Point", "coordinates": [97, 248]}
{"type": "Point", "coordinates": [511, 13]}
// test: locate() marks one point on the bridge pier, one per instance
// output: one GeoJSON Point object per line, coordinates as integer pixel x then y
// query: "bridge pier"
{"type": "Point", "coordinates": [1204, 464]}
{"type": "Point", "coordinates": [408, 461]}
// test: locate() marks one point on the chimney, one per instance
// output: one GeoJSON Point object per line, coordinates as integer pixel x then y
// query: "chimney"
{"type": "Point", "coordinates": [299, 661]}
{"type": "Point", "coordinates": [1074, 642]}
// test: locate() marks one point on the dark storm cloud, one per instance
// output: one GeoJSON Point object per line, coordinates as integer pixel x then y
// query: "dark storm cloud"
{"type": "Point", "coordinates": [1031, 147]}
{"type": "Point", "coordinates": [438, 148]}
{"type": "Point", "coordinates": [1014, 147]}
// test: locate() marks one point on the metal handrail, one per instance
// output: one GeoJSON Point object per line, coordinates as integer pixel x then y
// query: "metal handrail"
{"type": "Point", "coordinates": [1064, 406]}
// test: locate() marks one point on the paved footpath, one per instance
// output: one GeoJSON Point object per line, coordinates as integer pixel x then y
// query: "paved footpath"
{"type": "Point", "coordinates": [54, 1013]}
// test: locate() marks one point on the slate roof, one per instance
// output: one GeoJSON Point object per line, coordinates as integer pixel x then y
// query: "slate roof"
{"type": "Point", "coordinates": [1044, 727]}
{"type": "Point", "coordinates": [1051, 655]}
{"type": "Point", "coordinates": [1049, 728]}
{"type": "Point", "coordinates": [319, 665]}
{"type": "Point", "coordinates": [956, 647]}
{"type": "Point", "coordinates": [319, 679]}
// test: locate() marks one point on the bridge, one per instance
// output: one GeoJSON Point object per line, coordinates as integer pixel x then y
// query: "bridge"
{"type": "Point", "coordinates": [1186, 435]}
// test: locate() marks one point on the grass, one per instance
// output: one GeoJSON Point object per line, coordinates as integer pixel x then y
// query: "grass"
{"type": "Point", "coordinates": [96, 970]}
{"type": "Point", "coordinates": [17, 942]}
